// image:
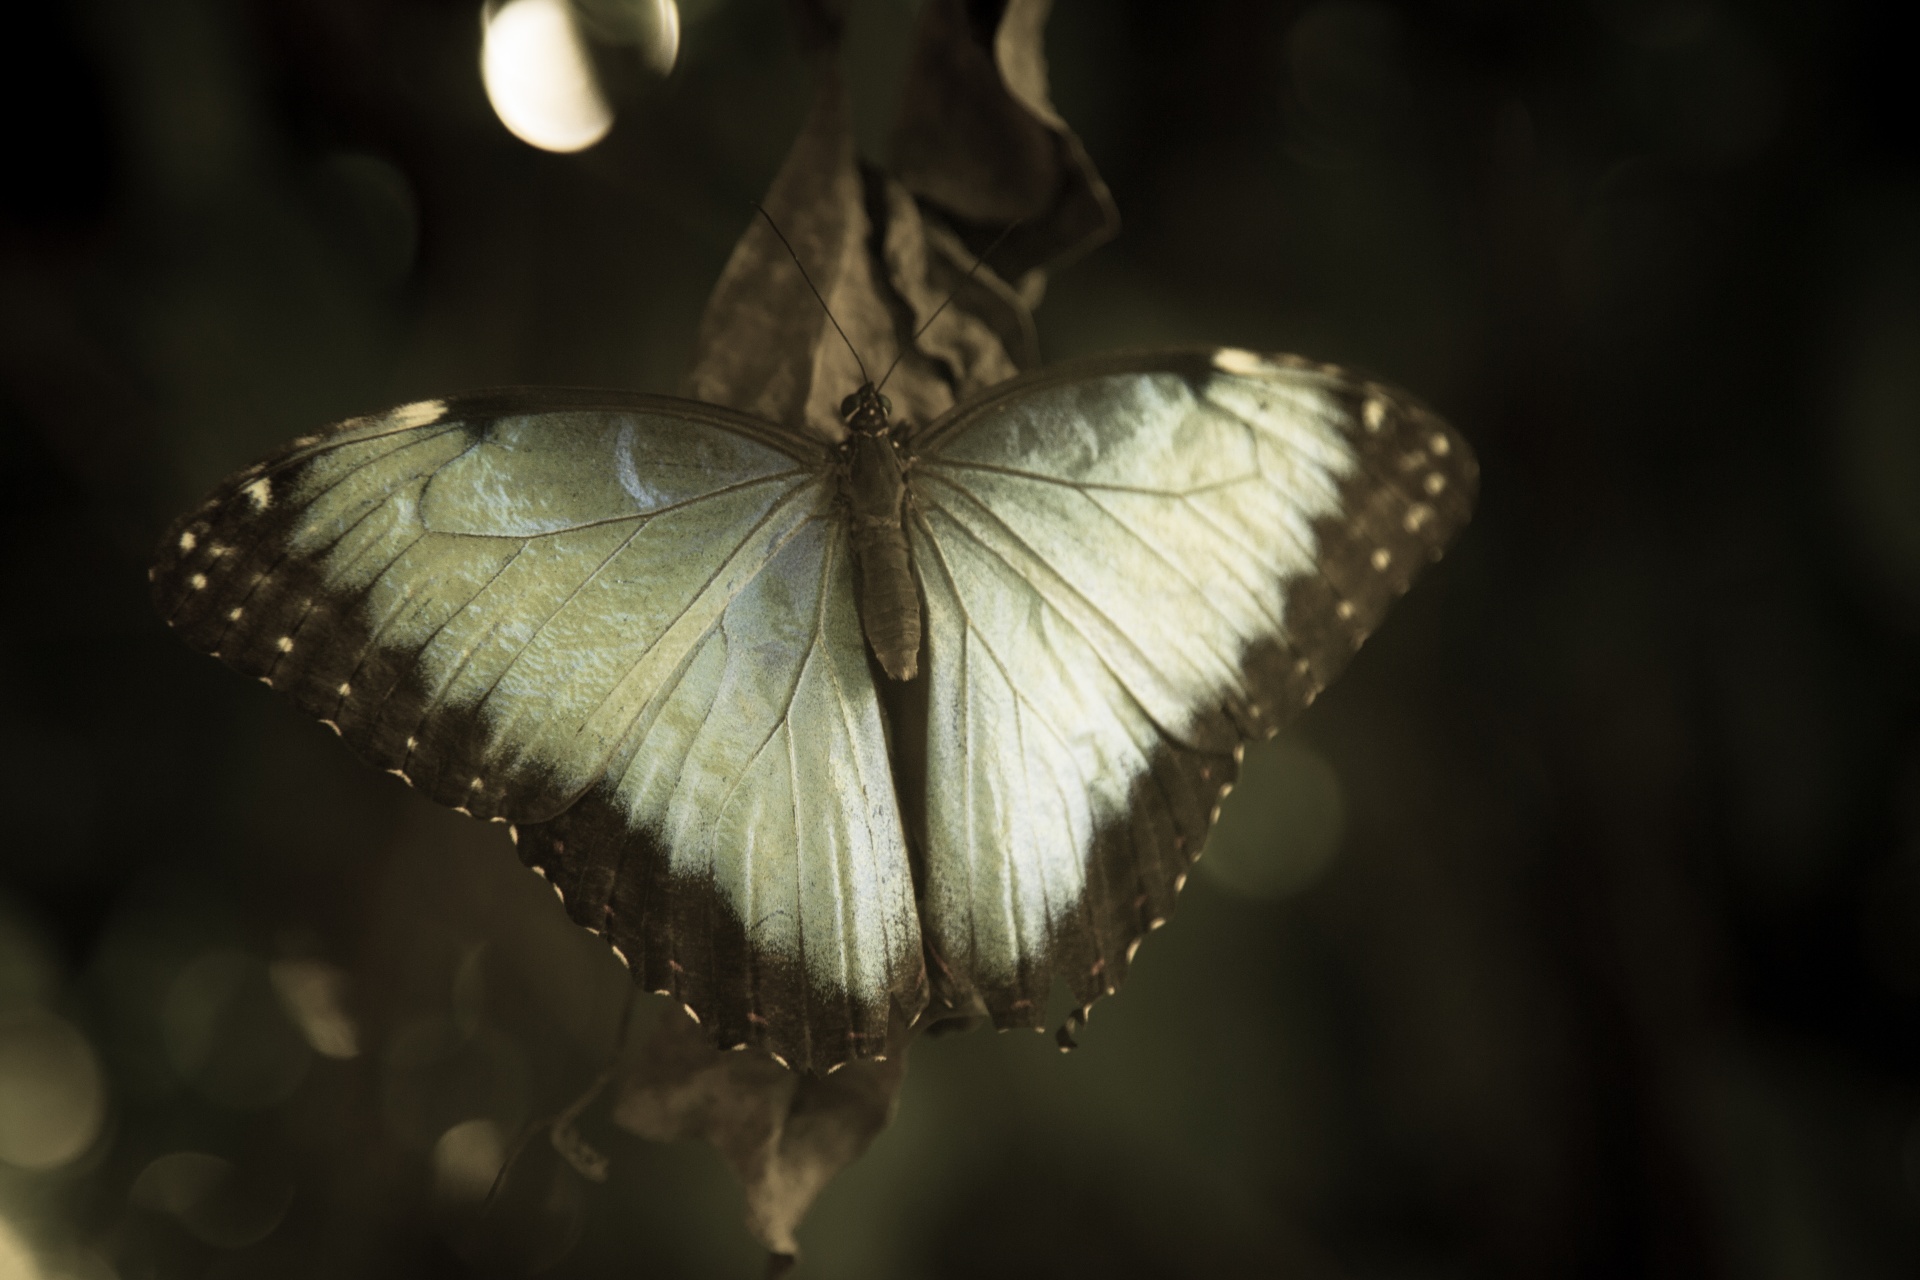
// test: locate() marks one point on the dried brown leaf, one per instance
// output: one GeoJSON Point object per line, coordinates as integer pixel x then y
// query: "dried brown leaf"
{"type": "Point", "coordinates": [765, 346]}
{"type": "Point", "coordinates": [978, 138]}
{"type": "Point", "coordinates": [981, 151]}
{"type": "Point", "coordinates": [783, 1133]}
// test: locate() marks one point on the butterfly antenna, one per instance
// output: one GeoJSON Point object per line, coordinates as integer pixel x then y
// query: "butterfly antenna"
{"type": "Point", "coordinates": [978, 262]}
{"type": "Point", "coordinates": [864, 375]}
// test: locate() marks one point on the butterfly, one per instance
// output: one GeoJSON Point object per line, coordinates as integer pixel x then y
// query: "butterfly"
{"type": "Point", "coordinates": [830, 740]}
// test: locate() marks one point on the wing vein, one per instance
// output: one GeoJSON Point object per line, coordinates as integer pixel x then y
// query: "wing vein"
{"type": "Point", "coordinates": [1071, 590]}
{"type": "Point", "coordinates": [1308, 554]}
{"type": "Point", "coordinates": [286, 552]}
{"type": "Point", "coordinates": [589, 579]}
{"type": "Point", "coordinates": [651, 513]}
{"type": "Point", "coordinates": [1040, 477]}
{"type": "Point", "coordinates": [453, 676]}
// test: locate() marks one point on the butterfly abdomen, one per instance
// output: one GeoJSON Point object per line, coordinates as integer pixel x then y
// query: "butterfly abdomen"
{"type": "Point", "coordinates": [889, 604]}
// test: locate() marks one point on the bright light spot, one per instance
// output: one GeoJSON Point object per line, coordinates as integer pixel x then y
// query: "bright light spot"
{"type": "Point", "coordinates": [52, 1097]}
{"type": "Point", "coordinates": [314, 995]}
{"type": "Point", "coordinates": [660, 34]}
{"type": "Point", "coordinates": [539, 78]}
{"type": "Point", "coordinates": [466, 1160]}
{"type": "Point", "coordinates": [650, 26]}
{"type": "Point", "coordinates": [15, 1262]}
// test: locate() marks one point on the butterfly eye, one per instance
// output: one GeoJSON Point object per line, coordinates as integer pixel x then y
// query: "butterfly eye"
{"type": "Point", "coordinates": [848, 405]}
{"type": "Point", "coordinates": [886, 405]}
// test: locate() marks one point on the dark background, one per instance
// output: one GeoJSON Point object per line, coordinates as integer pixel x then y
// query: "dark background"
{"type": "Point", "coordinates": [1575, 933]}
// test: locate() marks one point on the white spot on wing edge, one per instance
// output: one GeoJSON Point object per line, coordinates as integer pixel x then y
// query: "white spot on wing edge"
{"type": "Point", "coordinates": [198, 581]}
{"type": "Point", "coordinates": [1374, 413]}
{"type": "Point", "coordinates": [417, 414]}
{"type": "Point", "coordinates": [260, 493]}
{"type": "Point", "coordinates": [284, 644]}
{"type": "Point", "coordinates": [187, 541]}
{"type": "Point", "coordinates": [1247, 364]}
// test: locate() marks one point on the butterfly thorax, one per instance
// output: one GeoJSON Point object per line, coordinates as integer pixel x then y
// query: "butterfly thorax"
{"type": "Point", "coordinates": [874, 482]}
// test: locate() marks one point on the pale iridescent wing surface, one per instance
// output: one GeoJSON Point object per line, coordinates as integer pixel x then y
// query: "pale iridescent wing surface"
{"type": "Point", "coordinates": [1132, 566]}
{"type": "Point", "coordinates": [625, 624]}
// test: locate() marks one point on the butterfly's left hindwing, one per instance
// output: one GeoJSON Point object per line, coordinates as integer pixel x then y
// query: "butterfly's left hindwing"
{"type": "Point", "coordinates": [625, 624]}
{"type": "Point", "coordinates": [1131, 567]}
{"type": "Point", "coordinates": [773, 895]}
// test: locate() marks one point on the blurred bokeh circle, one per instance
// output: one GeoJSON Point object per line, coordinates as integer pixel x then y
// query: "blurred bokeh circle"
{"type": "Point", "coordinates": [53, 1098]}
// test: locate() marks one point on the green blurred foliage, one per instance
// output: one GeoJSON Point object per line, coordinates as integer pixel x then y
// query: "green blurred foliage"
{"type": "Point", "coordinates": [1576, 932]}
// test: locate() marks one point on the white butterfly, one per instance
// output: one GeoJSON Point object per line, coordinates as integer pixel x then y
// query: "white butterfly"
{"type": "Point", "coordinates": [632, 626]}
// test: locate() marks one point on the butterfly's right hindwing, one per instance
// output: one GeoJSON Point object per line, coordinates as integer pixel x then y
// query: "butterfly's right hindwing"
{"type": "Point", "coordinates": [614, 621]}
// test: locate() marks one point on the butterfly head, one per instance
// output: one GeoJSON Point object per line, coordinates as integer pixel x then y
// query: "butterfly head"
{"type": "Point", "coordinates": [866, 410]}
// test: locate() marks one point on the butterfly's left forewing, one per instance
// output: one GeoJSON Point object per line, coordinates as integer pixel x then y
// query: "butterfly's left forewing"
{"type": "Point", "coordinates": [1131, 567]}
{"type": "Point", "coordinates": [624, 624]}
